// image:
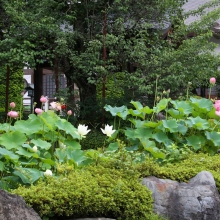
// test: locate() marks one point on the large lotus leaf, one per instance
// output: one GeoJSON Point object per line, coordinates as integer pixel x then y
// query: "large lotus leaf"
{"type": "Point", "coordinates": [49, 118]}
{"type": "Point", "coordinates": [161, 105]}
{"type": "Point", "coordinates": [211, 114]}
{"type": "Point", "coordinates": [161, 137]}
{"type": "Point", "coordinates": [170, 125]}
{"type": "Point", "coordinates": [5, 127]}
{"type": "Point", "coordinates": [137, 105]}
{"type": "Point", "coordinates": [115, 110]}
{"type": "Point", "coordinates": [197, 142]}
{"type": "Point", "coordinates": [136, 113]}
{"type": "Point", "coordinates": [47, 161]}
{"type": "Point", "coordinates": [73, 144]}
{"type": "Point", "coordinates": [202, 104]}
{"type": "Point", "coordinates": [143, 132]}
{"type": "Point", "coordinates": [41, 143]}
{"type": "Point", "coordinates": [51, 136]}
{"type": "Point", "coordinates": [129, 133]}
{"type": "Point", "coordinates": [123, 114]}
{"type": "Point", "coordinates": [21, 151]}
{"type": "Point", "coordinates": [151, 124]}
{"type": "Point", "coordinates": [13, 139]}
{"type": "Point", "coordinates": [61, 154]}
{"type": "Point", "coordinates": [137, 123]}
{"type": "Point", "coordinates": [147, 110]}
{"type": "Point", "coordinates": [182, 128]}
{"type": "Point", "coordinates": [175, 113]}
{"type": "Point", "coordinates": [214, 137]}
{"type": "Point", "coordinates": [66, 126]}
{"type": "Point", "coordinates": [29, 126]}
{"type": "Point", "coordinates": [182, 106]}
{"type": "Point", "coordinates": [28, 175]}
{"type": "Point", "coordinates": [77, 155]}
{"type": "Point", "coordinates": [199, 123]}
{"type": "Point", "coordinates": [112, 147]}
{"type": "Point", "coordinates": [8, 154]}
{"type": "Point", "coordinates": [150, 146]}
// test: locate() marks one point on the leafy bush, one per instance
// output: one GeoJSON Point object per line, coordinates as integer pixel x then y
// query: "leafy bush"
{"type": "Point", "coordinates": [96, 191]}
{"type": "Point", "coordinates": [94, 139]}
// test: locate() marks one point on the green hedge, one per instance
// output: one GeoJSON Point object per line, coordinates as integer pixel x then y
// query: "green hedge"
{"type": "Point", "coordinates": [94, 192]}
{"type": "Point", "coordinates": [16, 86]}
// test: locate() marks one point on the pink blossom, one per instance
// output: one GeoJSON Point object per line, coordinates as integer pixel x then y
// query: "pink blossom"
{"type": "Point", "coordinates": [13, 114]}
{"type": "Point", "coordinates": [56, 106]}
{"type": "Point", "coordinates": [212, 80]}
{"type": "Point", "coordinates": [217, 107]}
{"type": "Point", "coordinates": [12, 104]}
{"type": "Point", "coordinates": [69, 112]}
{"type": "Point", "coordinates": [38, 111]}
{"type": "Point", "coordinates": [43, 99]}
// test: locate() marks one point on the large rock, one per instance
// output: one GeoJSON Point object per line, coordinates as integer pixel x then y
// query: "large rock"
{"type": "Point", "coordinates": [13, 207]}
{"type": "Point", "coordinates": [196, 200]}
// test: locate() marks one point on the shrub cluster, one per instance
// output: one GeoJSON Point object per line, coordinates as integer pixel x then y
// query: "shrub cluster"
{"type": "Point", "coordinates": [96, 191]}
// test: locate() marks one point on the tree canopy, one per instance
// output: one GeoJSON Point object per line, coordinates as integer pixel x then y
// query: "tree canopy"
{"type": "Point", "coordinates": [79, 33]}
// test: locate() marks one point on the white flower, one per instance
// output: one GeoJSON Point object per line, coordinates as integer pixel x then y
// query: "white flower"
{"type": "Point", "coordinates": [83, 130]}
{"type": "Point", "coordinates": [108, 130]}
{"type": "Point", "coordinates": [34, 148]}
{"type": "Point", "coordinates": [56, 106]}
{"type": "Point", "coordinates": [62, 145]}
{"type": "Point", "coordinates": [48, 173]}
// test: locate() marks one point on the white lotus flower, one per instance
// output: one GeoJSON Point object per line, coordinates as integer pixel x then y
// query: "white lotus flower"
{"type": "Point", "coordinates": [108, 130]}
{"type": "Point", "coordinates": [34, 148]}
{"type": "Point", "coordinates": [48, 173]}
{"type": "Point", "coordinates": [83, 130]}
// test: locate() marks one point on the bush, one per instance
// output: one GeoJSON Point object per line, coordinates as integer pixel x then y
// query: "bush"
{"type": "Point", "coordinates": [94, 139]}
{"type": "Point", "coordinates": [94, 192]}
{"type": "Point", "coordinates": [184, 170]}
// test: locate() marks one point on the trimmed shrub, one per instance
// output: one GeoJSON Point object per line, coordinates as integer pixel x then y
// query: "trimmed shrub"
{"type": "Point", "coordinates": [94, 192]}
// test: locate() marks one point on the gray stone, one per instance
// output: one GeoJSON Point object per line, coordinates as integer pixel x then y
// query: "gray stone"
{"type": "Point", "coordinates": [13, 207]}
{"type": "Point", "coordinates": [196, 200]}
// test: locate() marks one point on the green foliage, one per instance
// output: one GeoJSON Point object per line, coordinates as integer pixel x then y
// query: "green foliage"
{"type": "Point", "coordinates": [94, 140]}
{"type": "Point", "coordinates": [183, 170]}
{"type": "Point", "coordinates": [16, 86]}
{"type": "Point", "coordinates": [186, 126]}
{"type": "Point", "coordinates": [93, 192]}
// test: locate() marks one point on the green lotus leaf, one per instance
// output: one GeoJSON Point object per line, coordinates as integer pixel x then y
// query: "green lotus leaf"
{"type": "Point", "coordinates": [112, 147]}
{"type": "Point", "coordinates": [182, 106]}
{"type": "Point", "coordinates": [137, 105]}
{"type": "Point", "coordinates": [196, 141]}
{"type": "Point", "coordinates": [136, 113]}
{"type": "Point", "coordinates": [8, 154]}
{"type": "Point", "coordinates": [66, 126]}
{"type": "Point", "coordinates": [214, 137]}
{"type": "Point", "coordinates": [199, 123]}
{"type": "Point", "coordinates": [61, 154]}
{"type": "Point", "coordinates": [41, 143]}
{"type": "Point", "coordinates": [12, 140]}
{"type": "Point", "coordinates": [161, 105]}
{"type": "Point", "coordinates": [171, 125]}
{"type": "Point", "coordinates": [202, 104]}
{"type": "Point", "coordinates": [23, 152]}
{"type": "Point", "coordinates": [77, 155]}
{"type": "Point", "coordinates": [114, 110]}
{"type": "Point", "coordinates": [29, 126]}
{"type": "Point", "coordinates": [143, 133]}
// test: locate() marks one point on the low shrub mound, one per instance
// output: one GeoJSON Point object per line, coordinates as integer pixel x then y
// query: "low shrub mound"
{"type": "Point", "coordinates": [184, 170]}
{"type": "Point", "coordinates": [94, 192]}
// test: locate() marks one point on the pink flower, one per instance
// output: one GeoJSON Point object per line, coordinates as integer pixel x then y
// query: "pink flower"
{"type": "Point", "coordinates": [217, 107]}
{"type": "Point", "coordinates": [38, 111]}
{"type": "Point", "coordinates": [212, 80]}
{"type": "Point", "coordinates": [13, 114]}
{"type": "Point", "coordinates": [12, 104]}
{"type": "Point", "coordinates": [43, 99]}
{"type": "Point", "coordinates": [69, 112]}
{"type": "Point", "coordinates": [56, 106]}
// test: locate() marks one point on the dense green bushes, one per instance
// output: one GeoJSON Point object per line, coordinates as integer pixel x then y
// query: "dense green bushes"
{"type": "Point", "coordinates": [96, 191]}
